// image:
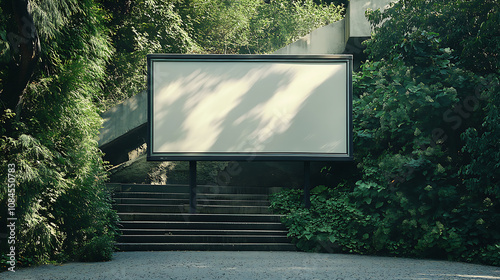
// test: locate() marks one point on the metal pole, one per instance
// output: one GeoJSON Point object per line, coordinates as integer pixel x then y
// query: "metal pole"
{"type": "Point", "coordinates": [192, 186]}
{"type": "Point", "coordinates": [307, 184]}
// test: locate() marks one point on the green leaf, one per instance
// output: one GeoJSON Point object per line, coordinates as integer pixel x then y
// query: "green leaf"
{"type": "Point", "coordinates": [332, 238]}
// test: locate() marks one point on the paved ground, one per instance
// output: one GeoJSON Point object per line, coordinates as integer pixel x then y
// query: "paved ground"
{"type": "Point", "coordinates": [256, 265]}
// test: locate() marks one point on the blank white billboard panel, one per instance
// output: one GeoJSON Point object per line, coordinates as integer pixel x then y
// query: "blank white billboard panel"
{"type": "Point", "coordinates": [213, 107]}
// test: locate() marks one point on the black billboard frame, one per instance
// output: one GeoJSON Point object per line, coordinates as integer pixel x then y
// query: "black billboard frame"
{"type": "Point", "coordinates": [249, 156]}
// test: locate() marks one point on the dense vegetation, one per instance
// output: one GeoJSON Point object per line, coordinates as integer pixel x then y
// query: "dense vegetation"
{"type": "Point", "coordinates": [64, 61]}
{"type": "Point", "coordinates": [426, 180]}
{"type": "Point", "coordinates": [53, 65]}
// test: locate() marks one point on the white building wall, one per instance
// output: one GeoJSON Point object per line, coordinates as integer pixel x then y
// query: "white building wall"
{"type": "Point", "coordinates": [328, 39]}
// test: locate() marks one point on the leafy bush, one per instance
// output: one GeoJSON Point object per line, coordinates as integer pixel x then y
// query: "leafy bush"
{"type": "Point", "coordinates": [50, 135]}
{"type": "Point", "coordinates": [99, 248]}
{"type": "Point", "coordinates": [468, 28]}
{"type": "Point", "coordinates": [388, 225]}
{"type": "Point", "coordinates": [426, 127]}
{"type": "Point", "coordinates": [332, 224]}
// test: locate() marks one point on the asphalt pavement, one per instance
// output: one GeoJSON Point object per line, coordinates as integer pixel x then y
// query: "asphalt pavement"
{"type": "Point", "coordinates": [255, 265]}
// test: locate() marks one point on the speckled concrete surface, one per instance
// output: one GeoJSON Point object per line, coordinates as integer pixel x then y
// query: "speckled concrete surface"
{"type": "Point", "coordinates": [256, 265]}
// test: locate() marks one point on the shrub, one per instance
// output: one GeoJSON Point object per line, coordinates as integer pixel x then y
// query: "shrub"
{"type": "Point", "coordinates": [332, 224]}
{"type": "Point", "coordinates": [99, 248]}
{"type": "Point", "coordinates": [362, 222]}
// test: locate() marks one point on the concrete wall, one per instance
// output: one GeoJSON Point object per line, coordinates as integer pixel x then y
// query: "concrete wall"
{"type": "Point", "coordinates": [328, 39]}
{"type": "Point", "coordinates": [123, 118]}
{"type": "Point", "coordinates": [356, 23]}
{"type": "Point", "coordinates": [337, 37]}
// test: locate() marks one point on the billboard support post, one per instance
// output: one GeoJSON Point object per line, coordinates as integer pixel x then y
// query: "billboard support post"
{"type": "Point", "coordinates": [192, 187]}
{"type": "Point", "coordinates": [307, 184]}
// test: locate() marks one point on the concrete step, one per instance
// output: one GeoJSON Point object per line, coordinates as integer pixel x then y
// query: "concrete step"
{"type": "Point", "coordinates": [209, 189]}
{"type": "Point", "coordinates": [199, 217]}
{"type": "Point", "coordinates": [156, 195]}
{"type": "Point", "coordinates": [236, 190]}
{"type": "Point", "coordinates": [206, 247]}
{"type": "Point", "coordinates": [151, 208]}
{"type": "Point", "coordinates": [184, 208]}
{"type": "Point", "coordinates": [231, 209]}
{"type": "Point", "coordinates": [151, 201]}
{"type": "Point", "coordinates": [221, 232]}
{"type": "Point", "coordinates": [200, 196]}
{"type": "Point", "coordinates": [201, 201]}
{"type": "Point", "coordinates": [233, 202]}
{"type": "Point", "coordinates": [202, 225]}
{"type": "Point", "coordinates": [228, 218]}
{"type": "Point", "coordinates": [238, 238]}
{"type": "Point", "coordinates": [171, 188]}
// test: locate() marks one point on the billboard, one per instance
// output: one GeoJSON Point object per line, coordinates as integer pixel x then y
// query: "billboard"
{"type": "Point", "coordinates": [249, 107]}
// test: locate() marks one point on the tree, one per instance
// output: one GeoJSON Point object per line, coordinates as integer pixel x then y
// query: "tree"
{"type": "Point", "coordinates": [426, 127]}
{"type": "Point", "coordinates": [219, 26]}
{"type": "Point", "coordinates": [280, 22]}
{"type": "Point", "coordinates": [140, 28]}
{"type": "Point", "coordinates": [63, 206]}
{"type": "Point", "coordinates": [468, 28]}
{"type": "Point", "coordinates": [25, 49]}
{"type": "Point", "coordinates": [426, 119]}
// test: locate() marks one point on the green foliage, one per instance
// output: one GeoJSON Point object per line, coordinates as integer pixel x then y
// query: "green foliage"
{"type": "Point", "coordinates": [146, 27]}
{"type": "Point", "coordinates": [200, 26]}
{"type": "Point", "coordinates": [425, 116]}
{"type": "Point", "coordinates": [21, 261]}
{"type": "Point", "coordinates": [280, 22]}
{"type": "Point", "coordinates": [404, 112]}
{"type": "Point", "coordinates": [249, 26]}
{"type": "Point", "coordinates": [332, 224]}
{"type": "Point", "coordinates": [220, 26]}
{"type": "Point", "coordinates": [426, 128]}
{"type": "Point", "coordinates": [63, 206]}
{"type": "Point", "coordinates": [373, 220]}
{"type": "Point", "coordinates": [482, 172]}
{"type": "Point", "coordinates": [99, 248]}
{"type": "Point", "coordinates": [469, 28]}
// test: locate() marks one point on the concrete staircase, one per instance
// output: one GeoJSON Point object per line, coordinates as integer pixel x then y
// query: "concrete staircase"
{"type": "Point", "coordinates": [228, 218]}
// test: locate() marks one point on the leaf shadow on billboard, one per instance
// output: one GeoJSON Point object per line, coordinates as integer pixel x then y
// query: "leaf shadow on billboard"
{"type": "Point", "coordinates": [212, 107]}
